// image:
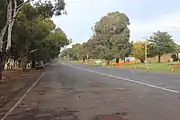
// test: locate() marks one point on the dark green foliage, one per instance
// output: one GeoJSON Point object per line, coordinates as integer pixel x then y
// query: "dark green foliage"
{"type": "Point", "coordinates": [174, 57]}
{"type": "Point", "coordinates": [35, 37]}
{"type": "Point", "coordinates": [111, 39]}
{"type": "Point", "coordinates": [160, 44]}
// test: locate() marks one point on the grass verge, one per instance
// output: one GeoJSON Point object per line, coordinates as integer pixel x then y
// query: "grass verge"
{"type": "Point", "coordinates": [165, 67]}
{"type": "Point", "coordinates": [156, 67]}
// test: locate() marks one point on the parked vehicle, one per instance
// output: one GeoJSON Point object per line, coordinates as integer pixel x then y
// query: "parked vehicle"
{"type": "Point", "coordinates": [39, 65]}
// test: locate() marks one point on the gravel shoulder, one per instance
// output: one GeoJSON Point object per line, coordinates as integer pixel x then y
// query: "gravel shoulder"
{"type": "Point", "coordinates": [14, 87]}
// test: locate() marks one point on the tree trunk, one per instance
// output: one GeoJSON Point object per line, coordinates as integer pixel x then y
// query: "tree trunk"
{"type": "Point", "coordinates": [87, 56]}
{"type": "Point", "coordinates": [24, 63]}
{"type": "Point", "coordinates": [10, 27]}
{"type": "Point", "coordinates": [4, 60]}
{"type": "Point", "coordinates": [159, 58]}
{"type": "Point", "coordinates": [107, 62]}
{"type": "Point", "coordinates": [4, 54]}
{"type": "Point", "coordinates": [14, 64]}
{"type": "Point", "coordinates": [33, 64]}
{"type": "Point", "coordinates": [177, 56]}
{"type": "Point", "coordinates": [12, 11]}
{"type": "Point", "coordinates": [117, 60]}
{"type": "Point", "coordinates": [11, 21]}
{"type": "Point", "coordinates": [84, 58]}
{"type": "Point", "coordinates": [1, 65]}
{"type": "Point", "coordinates": [142, 61]}
{"type": "Point", "coordinates": [25, 59]}
{"type": "Point", "coordinates": [2, 34]}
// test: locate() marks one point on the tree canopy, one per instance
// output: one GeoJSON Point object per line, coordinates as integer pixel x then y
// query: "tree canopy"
{"type": "Point", "coordinates": [112, 35]}
{"type": "Point", "coordinates": [139, 51]}
{"type": "Point", "coordinates": [33, 28]}
{"type": "Point", "coordinates": [160, 44]}
{"type": "Point", "coordinates": [110, 39]}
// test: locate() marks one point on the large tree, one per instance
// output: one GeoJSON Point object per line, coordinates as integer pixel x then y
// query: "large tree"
{"type": "Point", "coordinates": [177, 50]}
{"type": "Point", "coordinates": [12, 8]}
{"type": "Point", "coordinates": [160, 44]}
{"type": "Point", "coordinates": [77, 50]}
{"type": "Point", "coordinates": [9, 9]}
{"type": "Point", "coordinates": [112, 35]}
{"type": "Point", "coordinates": [36, 39]}
{"type": "Point", "coordinates": [93, 48]}
{"type": "Point", "coordinates": [67, 53]}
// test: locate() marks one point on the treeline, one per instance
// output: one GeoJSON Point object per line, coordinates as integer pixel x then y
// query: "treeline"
{"type": "Point", "coordinates": [158, 44]}
{"type": "Point", "coordinates": [33, 36]}
{"type": "Point", "coordinates": [111, 41]}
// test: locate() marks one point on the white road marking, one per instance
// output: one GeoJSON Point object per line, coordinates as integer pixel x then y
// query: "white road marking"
{"type": "Point", "coordinates": [20, 100]}
{"type": "Point", "coordinates": [129, 80]}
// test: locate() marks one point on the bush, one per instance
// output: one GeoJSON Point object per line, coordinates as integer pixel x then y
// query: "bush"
{"type": "Point", "coordinates": [174, 57]}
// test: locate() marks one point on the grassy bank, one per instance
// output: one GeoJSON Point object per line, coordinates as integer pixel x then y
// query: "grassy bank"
{"type": "Point", "coordinates": [156, 67]}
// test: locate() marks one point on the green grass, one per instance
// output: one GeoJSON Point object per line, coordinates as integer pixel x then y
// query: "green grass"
{"type": "Point", "coordinates": [155, 67]}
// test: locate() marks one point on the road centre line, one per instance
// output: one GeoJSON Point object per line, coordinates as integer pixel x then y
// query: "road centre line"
{"type": "Point", "coordinates": [127, 79]}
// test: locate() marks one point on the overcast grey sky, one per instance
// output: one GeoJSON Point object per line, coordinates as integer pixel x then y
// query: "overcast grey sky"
{"type": "Point", "coordinates": [146, 16]}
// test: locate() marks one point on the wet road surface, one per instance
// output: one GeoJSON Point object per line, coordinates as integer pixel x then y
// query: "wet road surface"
{"type": "Point", "coordinates": [69, 91]}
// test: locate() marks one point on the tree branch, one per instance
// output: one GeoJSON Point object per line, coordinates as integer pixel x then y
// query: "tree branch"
{"type": "Point", "coordinates": [15, 7]}
{"type": "Point", "coordinates": [19, 8]}
{"type": "Point", "coordinates": [4, 29]}
{"type": "Point", "coordinates": [6, 2]}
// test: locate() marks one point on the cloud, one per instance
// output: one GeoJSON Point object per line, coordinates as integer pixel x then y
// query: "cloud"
{"type": "Point", "coordinates": [82, 15]}
{"type": "Point", "coordinates": [169, 23]}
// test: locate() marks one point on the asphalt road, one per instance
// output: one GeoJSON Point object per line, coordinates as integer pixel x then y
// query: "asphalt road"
{"type": "Point", "coordinates": [69, 91]}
